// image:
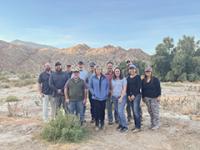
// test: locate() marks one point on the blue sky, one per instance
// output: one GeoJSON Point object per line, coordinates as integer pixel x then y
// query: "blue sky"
{"type": "Point", "coordinates": [127, 23]}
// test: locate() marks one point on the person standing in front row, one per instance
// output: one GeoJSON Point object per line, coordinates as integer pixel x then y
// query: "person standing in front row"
{"type": "Point", "coordinates": [118, 90]}
{"type": "Point", "coordinates": [151, 92]}
{"type": "Point", "coordinates": [134, 96]}
{"type": "Point", "coordinates": [46, 92]}
{"type": "Point", "coordinates": [76, 95]}
{"type": "Point", "coordinates": [57, 83]}
{"type": "Point", "coordinates": [99, 88]}
{"type": "Point", "coordinates": [90, 74]}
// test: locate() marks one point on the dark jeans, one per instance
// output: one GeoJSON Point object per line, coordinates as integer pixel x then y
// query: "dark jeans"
{"type": "Point", "coordinates": [135, 106]}
{"type": "Point", "coordinates": [128, 109]}
{"type": "Point", "coordinates": [60, 101]}
{"type": "Point", "coordinates": [99, 109]}
{"type": "Point", "coordinates": [91, 106]}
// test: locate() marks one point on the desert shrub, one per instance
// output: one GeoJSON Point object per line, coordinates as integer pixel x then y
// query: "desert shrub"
{"type": "Point", "coordinates": [12, 99]}
{"type": "Point", "coordinates": [65, 128]}
{"type": "Point", "coordinates": [3, 78]}
{"type": "Point", "coordinates": [21, 83]}
{"type": "Point", "coordinates": [25, 76]}
{"type": "Point", "coordinates": [182, 77]}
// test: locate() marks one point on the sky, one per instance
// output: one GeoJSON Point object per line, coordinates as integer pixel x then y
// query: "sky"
{"type": "Point", "coordinates": [126, 23]}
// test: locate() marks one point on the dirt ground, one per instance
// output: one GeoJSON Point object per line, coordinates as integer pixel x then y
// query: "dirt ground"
{"type": "Point", "coordinates": [180, 125]}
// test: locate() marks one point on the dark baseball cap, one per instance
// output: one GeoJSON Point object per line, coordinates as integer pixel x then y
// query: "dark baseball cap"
{"type": "Point", "coordinates": [58, 64]}
{"type": "Point", "coordinates": [92, 64]}
{"type": "Point", "coordinates": [80, 63]}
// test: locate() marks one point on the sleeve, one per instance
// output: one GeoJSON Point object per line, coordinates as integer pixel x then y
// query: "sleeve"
{"type": "Point", "coordinates": [91, 88]}
{"type": "Point", "coordinates": [158, 87]}
{"type": "Point", "coordinates": [40, 79]}
{"type": "Point", "coordinates": [108, 86]}
{"type": "Point", "coordinates": [124, 82]}
{"type": "Point", "coordinates": [51, 83]}
{"type": "Point", "coordinates": [139, 85]}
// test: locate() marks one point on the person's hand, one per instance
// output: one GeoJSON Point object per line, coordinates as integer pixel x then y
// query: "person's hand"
{"type": "Point", "coordinates": [129, 98]}
{"type": "Point", "coordinates": [66, 100]}
{"type": "Point", "coordinates": [132, 97]}
{"type": "Point", "coordinates": [59, 91]}
{"type": "Point", "coordinates": [41, 95]}
{"type": "Point", "coordinates": [120, 100]}
{"type": "Point", "coordinates": [158, 98]}
{"type": "Point", "coordinates": [84, 102]}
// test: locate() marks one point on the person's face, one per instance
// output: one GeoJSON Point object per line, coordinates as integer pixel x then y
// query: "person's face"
{"type": "Point", "coordinates": [80, 66]}
{"type": "Point", "coordinates": [47, 67]}
{"type": "Point", "coordinates": [110, 67]}
{"type": "Point", "coordinates": [98, 71]}
{"type": "Point", "coordinates": [92, 69]}
{"type": "Point", "coordinates": [58, 68]}
{"type": "Point", "coordinates": [76, 74]}
{"type": "Point", "coordinates": [148, 73]}
{"type": "Point", "coordinates": [69, 68]}
{"type": "Point", "coordinates": [128, 63]}
{"type": "Point", "coordinates": [132, 71]}
{"type": "Point", "coordinates": [117, 72]}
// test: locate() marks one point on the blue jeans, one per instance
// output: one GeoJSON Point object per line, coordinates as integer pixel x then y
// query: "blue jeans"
{"type": "Point", "coordinates": [119, 109]}
{"type": "Point", "coordinates": [76, 108]}
{"type": "Point", "coordinates": [135, 105]}
{"type": "Point", "coordinates": [109, 105]}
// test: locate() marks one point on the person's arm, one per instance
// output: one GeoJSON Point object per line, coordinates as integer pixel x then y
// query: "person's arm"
{"type": "Point", "coordinates": [66, 92]}
{"type": "Point", "coordinates": [51, 83]}
{"type": "Point", "coordinates": [123, 93]}
{"type": "Point", "coordinates": [40, 85]}
{"type": "Point", "coordinates": [158, 89]}
{"type": "Point", "coordinates": [85, 94]}
{"type": "Point", "coordinates": [91, 88]}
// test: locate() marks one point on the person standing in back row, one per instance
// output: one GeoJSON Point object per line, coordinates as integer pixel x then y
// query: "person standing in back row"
{"type": "Point", "coordinates": [134, 96]}
{"type": "Point", "coordinates": [57, 83]}
{"type": "Point", "coordinates": [109, 102]}
{"type": "Point", "coordinates": [151, 92]}
{"type": "Point", "coordinates": [46, 92]}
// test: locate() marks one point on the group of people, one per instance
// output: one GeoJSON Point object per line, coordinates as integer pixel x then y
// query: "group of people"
{"type": "Point", "coordinates": [70, 89]}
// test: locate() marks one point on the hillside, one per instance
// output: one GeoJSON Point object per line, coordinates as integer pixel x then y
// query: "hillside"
{"type": "Point", "coordinates": [20, 56]}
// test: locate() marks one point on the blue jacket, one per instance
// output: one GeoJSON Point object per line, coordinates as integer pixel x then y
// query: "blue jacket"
{"type": "Point", "coordinates": [99, 88]}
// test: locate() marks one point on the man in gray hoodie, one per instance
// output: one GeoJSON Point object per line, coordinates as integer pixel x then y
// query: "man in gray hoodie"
{"type": "Point", "coordinates": [57, 83]}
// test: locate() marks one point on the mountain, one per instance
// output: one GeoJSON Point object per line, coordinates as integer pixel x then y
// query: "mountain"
{"type": "Point", "coordinates": [30, 44]}
{"type": "Point", "coordinates": [20, 56]}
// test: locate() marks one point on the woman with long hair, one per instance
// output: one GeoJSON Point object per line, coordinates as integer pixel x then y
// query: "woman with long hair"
{"type": "Point", "coordinates": [151, 92]}
{"type": "Point", "coordinates": [118, 91]}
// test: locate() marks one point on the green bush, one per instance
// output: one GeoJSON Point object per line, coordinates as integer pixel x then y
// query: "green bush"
{"type": "Point", "coordinates": [12, 99]}
{"type": "Point", "coordinates": [25, 76]}
{"type": "Point", "coordinates": [65, 128]}
{"type": "Point", "coordinates": [182, 77]}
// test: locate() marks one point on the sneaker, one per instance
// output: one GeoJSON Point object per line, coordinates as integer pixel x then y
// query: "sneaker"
{"type": "Point", "coordinates": [116, 121]}
{"type": "Point", "coordinates": [110, 123]}
{"type": "Point", "coordinates": [92, 121]}
{"type": "Point", "coordinates": [119, 127]}
{"type": "Point", "coordinates": [135, 130]}
{"type": "Point", "coordinates": [102, 127]}
{"type": "Point", "coordinates": [96, 128]}
{"type": "Point", "coordinates": [124, 129]}
{"type": "Point", "coordinates": [155, 128]}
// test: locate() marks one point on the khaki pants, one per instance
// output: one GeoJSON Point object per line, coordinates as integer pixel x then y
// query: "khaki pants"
{"type": "Point", "coordinates": [46, 99]}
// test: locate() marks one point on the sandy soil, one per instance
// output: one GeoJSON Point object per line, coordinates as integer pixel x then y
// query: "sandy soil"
{"type": "Point", "coordinates": [178, 131]}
